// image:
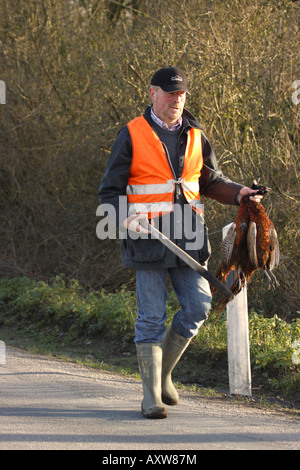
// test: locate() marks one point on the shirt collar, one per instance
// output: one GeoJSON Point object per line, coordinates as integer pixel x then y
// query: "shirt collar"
{"type": "Point", "coordinates": [162, 124]}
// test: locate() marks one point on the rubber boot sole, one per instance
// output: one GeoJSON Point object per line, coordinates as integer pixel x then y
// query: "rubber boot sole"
{"type": "Point", "coordinates": [169, 401]}
{"type": "Point", "coordinates": [159, 413]}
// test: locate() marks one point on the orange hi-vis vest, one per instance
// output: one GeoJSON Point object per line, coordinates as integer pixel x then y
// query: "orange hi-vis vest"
{"type": "Point", "coordinates": [151, 183]}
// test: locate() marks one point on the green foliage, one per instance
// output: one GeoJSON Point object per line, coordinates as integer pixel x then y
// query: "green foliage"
{"type": "Point", "coordinates": [64, 305]}
{"type": "Point", "coordinates": [116, 314]}
{"type": "Point", "coordinates": [272, 346]}
{"type": "Point", "coordinates": [63, 308]}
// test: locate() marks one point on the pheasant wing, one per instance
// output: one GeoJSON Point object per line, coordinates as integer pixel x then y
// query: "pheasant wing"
{"type": "Point", "coordinates": [251, 243]}
{"type": "Point", "coordinates": [274, 248]}
{"type": "Point", "coordinates": [227, 245]}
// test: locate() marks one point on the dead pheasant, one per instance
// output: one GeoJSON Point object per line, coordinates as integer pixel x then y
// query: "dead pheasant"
{"type": "Point", "coordinates": [251, 243]}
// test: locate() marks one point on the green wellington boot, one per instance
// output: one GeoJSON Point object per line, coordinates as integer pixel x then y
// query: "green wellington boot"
{"type": "Point", "coordinates": [150, 363]}
{"type": "Point", "coordinates": [174, 346]}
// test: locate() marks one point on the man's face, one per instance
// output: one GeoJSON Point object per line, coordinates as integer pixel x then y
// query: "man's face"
{"type": "Point", "coordinates": [167, 106]}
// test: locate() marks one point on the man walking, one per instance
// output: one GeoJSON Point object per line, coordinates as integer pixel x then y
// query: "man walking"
{"type": "Point", "coordinates": [163, 162]}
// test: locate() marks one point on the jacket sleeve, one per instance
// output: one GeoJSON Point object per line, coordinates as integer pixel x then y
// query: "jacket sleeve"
{"type": "Point", "coordinates": [213, 183]}
{"type": "Point", "coordinates": [115, 178]}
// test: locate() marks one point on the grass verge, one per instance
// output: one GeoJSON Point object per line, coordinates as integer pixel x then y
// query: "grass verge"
{"type": "Point", "coordinates": [60, 319]}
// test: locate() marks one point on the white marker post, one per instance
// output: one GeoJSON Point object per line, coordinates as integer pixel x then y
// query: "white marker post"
{"type": "Point", "coordinates": [239, 369]}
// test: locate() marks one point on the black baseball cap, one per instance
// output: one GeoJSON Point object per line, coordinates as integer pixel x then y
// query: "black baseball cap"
{"type": "Point", "coordinates": [170, 79]}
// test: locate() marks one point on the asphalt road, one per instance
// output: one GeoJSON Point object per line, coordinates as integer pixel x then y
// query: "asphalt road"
{"type": "Point", "coordinates": [50, 404]}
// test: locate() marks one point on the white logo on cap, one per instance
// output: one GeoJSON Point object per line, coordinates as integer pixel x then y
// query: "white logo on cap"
{"type": "Point", "coordinates": [176, 78]}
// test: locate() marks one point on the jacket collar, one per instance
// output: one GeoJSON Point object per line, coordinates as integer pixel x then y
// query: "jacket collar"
{"type": "Point", "coordinates": [188, 120]}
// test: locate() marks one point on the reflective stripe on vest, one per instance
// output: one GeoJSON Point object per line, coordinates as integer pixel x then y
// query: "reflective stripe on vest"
{"type": "Point", "coordinates": [151, 183]}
